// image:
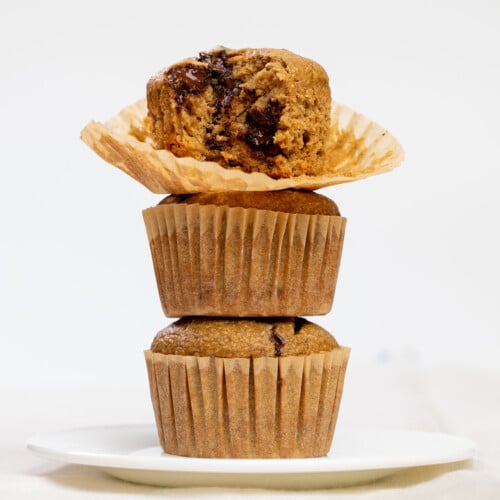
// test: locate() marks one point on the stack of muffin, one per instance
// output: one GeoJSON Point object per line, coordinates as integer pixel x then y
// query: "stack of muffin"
{"type": "Point", "coordinates": [242, 374]}
{"type": "Point", "coordinates": [240, 254]}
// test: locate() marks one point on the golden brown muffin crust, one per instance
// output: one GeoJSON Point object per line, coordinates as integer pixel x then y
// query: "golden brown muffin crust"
{"type": "Point", "coordinates": [289, 201]}
{"type": "Point", "coordinates": [243, 338]}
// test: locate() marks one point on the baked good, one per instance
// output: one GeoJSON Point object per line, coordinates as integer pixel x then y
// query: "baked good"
{"type": "Point", "coordinates": [232, 120]}
{"type": "Point", "coordinates": [262, 110]}
{"type": "Point", "coordinates": [242, 338]}
{"type": "Point", "coordinates": [235, 120]}
{"type": "Point", "coordinates": [246, 388]}
{"type": "Point", "coordinates": [290, 201]}
{"type": "Point", "coordinates": [246, 254]}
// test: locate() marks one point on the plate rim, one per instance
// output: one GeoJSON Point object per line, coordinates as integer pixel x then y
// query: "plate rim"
{"type": "Point", "coordinates": [196, 465]}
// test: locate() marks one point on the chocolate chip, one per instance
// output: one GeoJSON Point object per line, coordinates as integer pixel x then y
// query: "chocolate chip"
{"type": "Point", "coordinates": [298, 323]}
{"type": "Point", "coordinates": [187, 80]}
{"type": "Point", "coordinates": [225, 99]}
{"type": "Point", "coordinates": [278, 341]}
{"type": "Point", "coordinates": [215, 143]}
{"type": "Point", "coordinates": [262, 124]}
{"type": "Point", "coordinates": [218, 66]}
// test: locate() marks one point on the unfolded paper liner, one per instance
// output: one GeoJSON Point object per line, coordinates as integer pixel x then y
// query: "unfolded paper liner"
{"type": "Point", "coordinates": [360, 148]}
{"type": "Point", "coordinates": [231, 261]}
{"type": "Point", "coordinates": [265, 407]}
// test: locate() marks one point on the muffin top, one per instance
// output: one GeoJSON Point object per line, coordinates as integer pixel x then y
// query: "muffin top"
{"type": "Point", "coordinates": [289, 201]}
{"type": "Point", "coordinates": [243, 338]}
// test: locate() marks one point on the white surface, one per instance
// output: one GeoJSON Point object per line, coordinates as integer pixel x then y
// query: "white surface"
{"type": "Point", "coordinates": [131, 452]}
{"type": "Point", "coordinates": [397, 392]}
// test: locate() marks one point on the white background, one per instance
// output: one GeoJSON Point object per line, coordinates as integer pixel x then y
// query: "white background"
{"type": "Point", "coordinates": [420, 272]}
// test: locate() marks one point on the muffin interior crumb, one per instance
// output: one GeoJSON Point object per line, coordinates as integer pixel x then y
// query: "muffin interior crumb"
{"type": "Point", "coordinates": [261, 110]}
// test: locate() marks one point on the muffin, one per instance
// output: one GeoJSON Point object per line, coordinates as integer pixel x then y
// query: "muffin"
{"type": "Point", "coordinates": [246, 388]}
{"type": "Point", "coordinates": [242, 120]}
{"type": "Point", "coordinates": [246, 254]}
{"type": "Point", "coordinates": [262, 110]}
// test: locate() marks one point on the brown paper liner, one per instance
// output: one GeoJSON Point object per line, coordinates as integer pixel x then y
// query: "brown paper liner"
{"type": "Point", "coordinates": [247, 408]}
{"type": "Point", "coordinates": [220, 261]}
{"type": "Point", "coordinates": [360, 148]}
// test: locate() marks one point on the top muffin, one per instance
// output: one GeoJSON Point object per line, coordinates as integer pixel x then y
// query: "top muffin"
{"type": "Point", "coordinates": [242, 120]}
{"type": "Point", "coordinates": [263, 110]}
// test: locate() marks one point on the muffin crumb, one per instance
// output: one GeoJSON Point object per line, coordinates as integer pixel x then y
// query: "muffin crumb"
{"type": "Point", "coordinates": [262, 110]}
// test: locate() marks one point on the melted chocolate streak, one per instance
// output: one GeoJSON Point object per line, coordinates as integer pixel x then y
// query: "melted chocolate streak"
{"type": "Point", "coordinates": [220, 74]}
{"type": "Point", "coordinates": [278, 341]}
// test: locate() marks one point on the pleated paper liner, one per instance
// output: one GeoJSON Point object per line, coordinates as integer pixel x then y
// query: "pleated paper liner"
{"type": "Point", "coordinates": [247, 407]}
{"type": "Point", "coordinates": [360, 148]}
{"type": "Point", "coordinates": [220, 261]}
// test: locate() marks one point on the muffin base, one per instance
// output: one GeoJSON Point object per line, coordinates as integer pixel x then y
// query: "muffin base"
{"type": "Point", "coordinates": [243, 262]}
{"type": "Point", "coordinates": [266, 407]}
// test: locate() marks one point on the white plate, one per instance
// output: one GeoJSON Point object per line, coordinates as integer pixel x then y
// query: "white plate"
{"type": "Point", "coordinates": [358, 456]}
